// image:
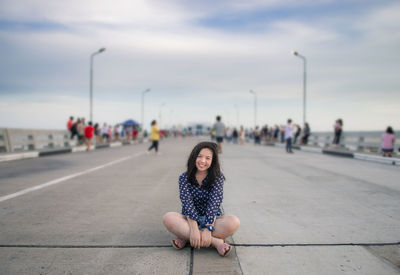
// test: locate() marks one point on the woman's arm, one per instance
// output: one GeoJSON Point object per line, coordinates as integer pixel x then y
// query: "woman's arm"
{"type": "Point", "coordinates": [188, 208]}
{"type": "Point", "coordinates": [195, 239]}
{"type": "Point", "coordinates": [215, 201]}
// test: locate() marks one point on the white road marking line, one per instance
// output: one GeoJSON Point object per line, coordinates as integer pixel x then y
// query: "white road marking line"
{"type": "Point", "coordinates": [41, 186]}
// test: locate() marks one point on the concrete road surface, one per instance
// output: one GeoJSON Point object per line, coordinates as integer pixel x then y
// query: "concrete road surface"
{"type": "Point", "coordinates": [100, 213]}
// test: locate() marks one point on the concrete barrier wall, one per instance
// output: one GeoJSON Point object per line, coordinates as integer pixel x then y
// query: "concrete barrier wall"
{"type": "Point", "coordinates": [363, 141]}
{"type": "Point", "coordinates": [21, 140]}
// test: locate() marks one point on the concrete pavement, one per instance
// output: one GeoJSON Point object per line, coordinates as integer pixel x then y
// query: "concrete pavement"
{"type": "Point", "coordinates": [300, 214]}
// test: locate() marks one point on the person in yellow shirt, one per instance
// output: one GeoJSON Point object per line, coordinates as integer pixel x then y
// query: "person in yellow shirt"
{"type": "Point", "coordinates": [154, 136]}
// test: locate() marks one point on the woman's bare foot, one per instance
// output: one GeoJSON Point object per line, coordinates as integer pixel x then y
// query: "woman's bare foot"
{"type": "Point", "coordinates": [223, 249]}
{"type": "Point", "coordinates": [178, 243]}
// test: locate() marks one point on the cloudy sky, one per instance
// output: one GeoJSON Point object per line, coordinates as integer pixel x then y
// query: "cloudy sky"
{"type": "Point", "coordinates": [200, 59]}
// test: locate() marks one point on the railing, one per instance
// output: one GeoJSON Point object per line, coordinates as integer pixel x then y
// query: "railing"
{"type": "Point", "coordinates": [363, 141]}
{"type": "Point", "coordinates": [22, 140]}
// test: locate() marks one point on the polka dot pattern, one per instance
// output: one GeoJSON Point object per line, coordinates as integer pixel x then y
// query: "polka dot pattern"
{"type": "Point", "coordinates": [198, 201]}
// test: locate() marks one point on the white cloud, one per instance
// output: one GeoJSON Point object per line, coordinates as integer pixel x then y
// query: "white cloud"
{"type": "Point", "coordinates": [141, 12]}
{"type": "Point", "coordinates": [159, 45]}
{"type": "Point", "coordinates": [382, 24]}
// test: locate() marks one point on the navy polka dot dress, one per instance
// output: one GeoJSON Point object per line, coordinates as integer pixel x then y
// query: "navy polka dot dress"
{"type": "Point", "coordinates": [198, 201]}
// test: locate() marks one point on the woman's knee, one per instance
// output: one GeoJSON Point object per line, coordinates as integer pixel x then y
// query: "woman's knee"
{"type": "Point", "coordinates": [168, 218]}
{"type": "Point", "coordinates": [234, 223]}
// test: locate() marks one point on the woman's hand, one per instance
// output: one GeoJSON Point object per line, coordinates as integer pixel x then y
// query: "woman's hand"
{"type": "Point", "coordinates": [205, 238]}
{"type": "Point", "coordinates": [195, 238]}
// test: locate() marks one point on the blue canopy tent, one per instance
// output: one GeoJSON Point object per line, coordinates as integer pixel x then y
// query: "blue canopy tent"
{"type": "Point", "coordinates": [130, 123]}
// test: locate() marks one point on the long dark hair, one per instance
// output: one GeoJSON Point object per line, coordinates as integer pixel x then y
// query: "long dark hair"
{"type": "Point", "coordinates": [389, 130]}
{"type": "Point", "coordinates": [213, 172]}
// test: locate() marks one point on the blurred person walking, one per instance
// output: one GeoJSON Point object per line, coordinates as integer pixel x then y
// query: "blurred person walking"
{"type": "Point", "coordinates": [257, 136]}
{"type": "Point", "coordinates": [219, 129]}
{"type": "Point", "coordinates": [235, 136]}
{"type": "Point", "coordinates": [110, 134]}
{"type": "Point", "coordinates": [228, 134]}
{"type": "Point", "coordinates": [297, 133]}
{"type": "Point", "coordinates": [81, 130]}
{"type": "Point", "coordinates": [306, 134]}
{"type": "Point", "coordinates": [276, 133]}
{"type": "Point", "coordinates": [69, 125]}
{"type": "Point", "coordinates": [241, 135]}
{"type": "Point", "coordinates": [74, 129]}
{"type": "Point", "coordinates": [134, 134]}
{"type": "Point", "coordinates": [97, 133]}
{"type": "Point", "coordinates": [388, 139]}
{"type": "Point", "coordinates": [154, 136]}
{"type": "Point", "coordinates": [337, 129]}
{"type": "Point", "coordinates": [201, 221]}
{"type": "Point", "coordinates": [116, 132]}
{"type": "Point", "coordinates": [288, 136]}
{"type": "Point", "coordinates": [265, 134]}
{"type": "Point", "coordinates": [128, 132]}
{"type": "Point", "coordinates": [89, 135]}
{"type": "Point", "coordinates": [104, 133]}
{"type": "Point", "coordinates": [282, 132]}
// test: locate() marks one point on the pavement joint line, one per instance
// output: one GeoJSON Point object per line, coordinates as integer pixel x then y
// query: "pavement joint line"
{"type": "Point", "coordinates": [240, 265]}
{"type": "Point", "coordinates": [191, 248]}
{"type": "Point", "coordinates": [56, 181]}
{"type": "Point", "coordinates": [81, 246]}
{"type": "Point", "coordinates": [191, 261]}
{"type": "Point", "coordinates": [237, 256]}
{"type": "Point", "coordinates": [316, 244]}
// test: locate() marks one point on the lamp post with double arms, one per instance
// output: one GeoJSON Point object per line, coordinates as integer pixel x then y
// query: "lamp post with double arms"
{"type": "Point", "coordinates": [91, 81]}
{"type": "Point", "coordinates": [304, 83]}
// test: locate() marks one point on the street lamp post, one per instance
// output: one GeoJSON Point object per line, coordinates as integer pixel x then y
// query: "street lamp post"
{"type": "Point", "coordinates": [304, 83]}
{"type": "Point", "coordinates": [145, 91]}
{"type": "Point", "coordinates": [255, 108]}
{"type": "Point", "coordinates": [91, 81]}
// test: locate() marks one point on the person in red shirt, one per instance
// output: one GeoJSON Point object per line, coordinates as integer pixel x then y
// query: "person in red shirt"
{"type": "Point", "coordinates": [89, 135]}
{"type": "Point", "coordinates": [134, 135]}
{"type": "Point", "coordinates": [69, 125]}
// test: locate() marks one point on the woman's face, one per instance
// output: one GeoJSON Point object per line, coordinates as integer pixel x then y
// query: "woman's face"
{"type": "Point", "coordinates": [204, 159]}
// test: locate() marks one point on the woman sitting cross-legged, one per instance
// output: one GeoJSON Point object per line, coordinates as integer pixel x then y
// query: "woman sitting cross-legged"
{"type": "Point", "coordinates": [201, 191]}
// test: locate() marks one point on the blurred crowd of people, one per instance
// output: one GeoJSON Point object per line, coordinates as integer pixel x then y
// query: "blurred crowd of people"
{"type": "Point", "coordinates": [291, 134]}
{"type": "Point", "coordinates": [86, 132]}
{"type": "Point", "coordinates": [265, 134]}
{"type": "Point", "coordinates": [104, 133]}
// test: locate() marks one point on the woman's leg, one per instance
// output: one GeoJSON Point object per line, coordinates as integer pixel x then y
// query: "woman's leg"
{"type": "Point", "coordinates": [152, 145]}
{"type": "Point", "coordinates": [225, 226]}
{"type": "Point", "coordinates": [338, 137]}
{"type": "Point", "coordinates": [177, 224]}
{"type": "Point", "coordinates": [156, 145]}
{"type": "Point", "coordinates": [89, 143]}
